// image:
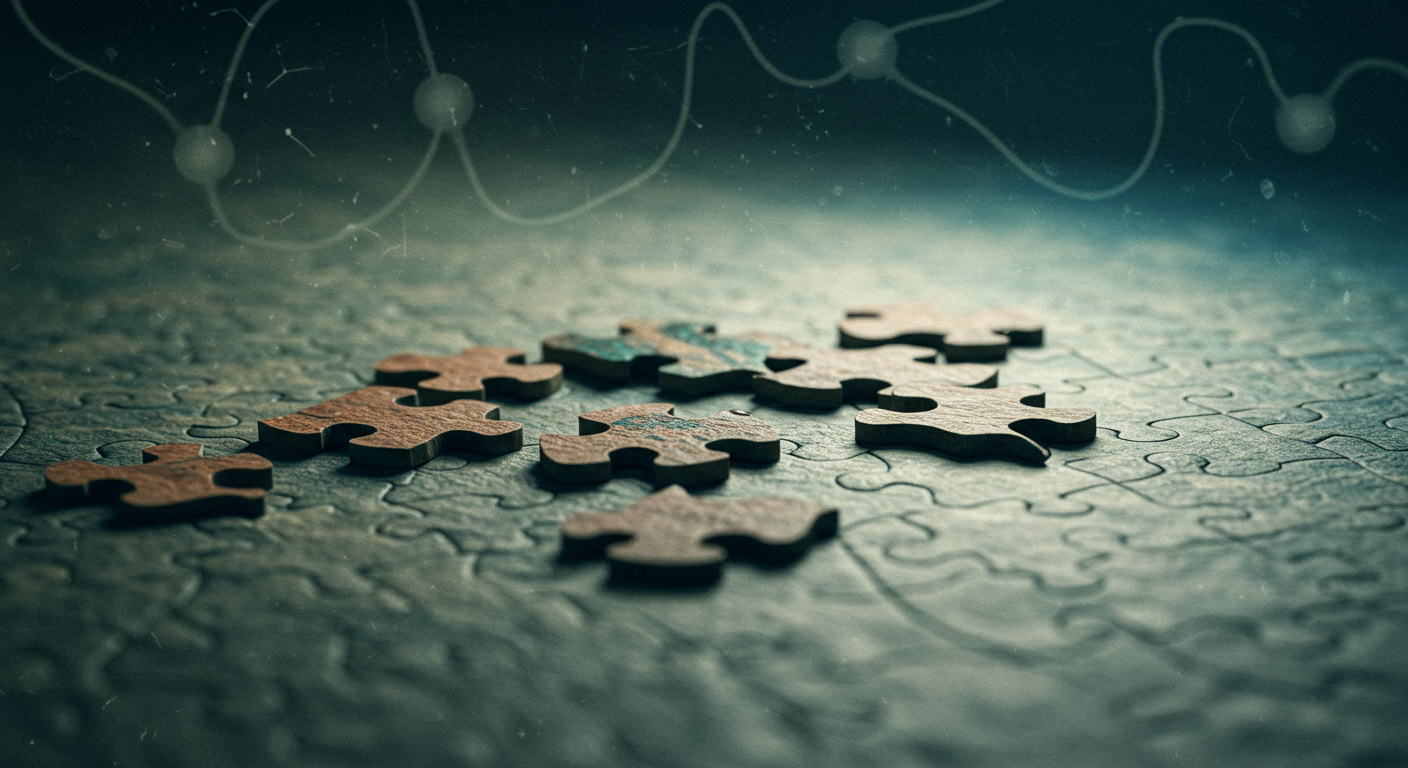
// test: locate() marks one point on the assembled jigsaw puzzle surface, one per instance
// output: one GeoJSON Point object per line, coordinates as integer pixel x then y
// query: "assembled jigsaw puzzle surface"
{"type": "Point", "coordinates": [1221, 571]}
{"type": "Point", "coordinates": [1218, 578]}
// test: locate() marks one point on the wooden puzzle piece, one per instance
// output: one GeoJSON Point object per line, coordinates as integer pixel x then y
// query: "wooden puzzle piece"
{"type": "Point", "coordinates": [691, 359]}
{"type": "Point", "coordinates": [175, 482]}
{"type": "Point", "coordinates": [980, 337]}
{"type": "Point", "coordinates": [439, 380]}
{"type": "Point", "coordinates": [671, 537]}
{"type": "Point", "coordinates": [1005, 421]}
{"type": "Point", "coordinates": [386, 433]}
{"type": "Point", "coordinates": [680, 450]}
{"type": "Point", "coordinates": [824, 378]}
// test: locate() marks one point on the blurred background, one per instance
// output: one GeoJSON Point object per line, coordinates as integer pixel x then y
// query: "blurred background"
{"type": "Point", "coordinates": [572, 99]}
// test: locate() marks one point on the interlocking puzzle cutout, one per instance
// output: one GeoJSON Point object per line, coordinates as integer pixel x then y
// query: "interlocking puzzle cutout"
{"type": "Point", "coordinates": [690, 359]}
{"type": "Point", "coordinates": [175, 482]}
{"type": "Point", "coordinates": [439, 380]}
{"type": "Point", "coordinates": [671, 537]}
{"type": "Point", "coordinates": [976, 337]}
{"type": "Point", "coordinates": [385, 432]}
{"type": "Point", "coordinates": [679, 450]}
{"type": "Point", "coordinates": [973, 422]}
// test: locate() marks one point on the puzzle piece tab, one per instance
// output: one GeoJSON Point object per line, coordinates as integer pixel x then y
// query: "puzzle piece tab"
{"type": "Point", "coordinates": [975, 337]}
{"type": "Point", "coordinates": [439, 380]}
{"type": "Point", "coordinates": [386, 433]}
{"type": "Point", "coordinates": [680, 450]}
{"type": "Point", "coordinates": [1352, 418]}
{"type": "Point", "coordinates": [671, 537]}
{"type": "Point", "coordinates": [973, 422]}
{"type": "Point", "coordinates": [175, 483]}
{"type": "Point", "coordinates": [825, 378]}
{"type": "Point", "coordinates": [691, 359]}
{"type": "Point", "coordinates": [1043, 489]}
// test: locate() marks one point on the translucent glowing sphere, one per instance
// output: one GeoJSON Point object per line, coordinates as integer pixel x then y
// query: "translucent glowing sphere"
{"type": "Point", "coordinates": [867, 50]}
{"type": "Point", "coordinates": [204, 153]}
{"type": "Point", "coordinates": [443, 101]}
{"type": "Point", "coordinates": [1305, 123]}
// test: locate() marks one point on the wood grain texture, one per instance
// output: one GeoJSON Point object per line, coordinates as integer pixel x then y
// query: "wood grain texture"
{"type": "Point", "coordinates": [973, 422]}
{"type": "Point", "coordinates": [673, 538]}
{"type": "Point", "coordinates": [687, 358]}
{"type": "Point", "coordinates": [809, 377]}
{"type": "Point", "coordinates": [678, 450]}
{"type": "Point", "coordinates": [972, 337]}
{"type": "Point", "coordinates": [387, 433]}
{"type": "Point", "coordinates": [471, 374]}
{"type": "Point", "coordinates": [175, 483]}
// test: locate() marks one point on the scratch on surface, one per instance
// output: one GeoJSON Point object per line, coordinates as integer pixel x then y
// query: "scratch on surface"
{"type": "Point", "coordinates": [934, 626]}
{"type": "Point", "coordinates": [23, 420]}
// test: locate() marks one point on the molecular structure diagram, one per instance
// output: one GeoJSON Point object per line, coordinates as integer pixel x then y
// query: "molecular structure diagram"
{"type": "Point", "coordinates": [866, 50]}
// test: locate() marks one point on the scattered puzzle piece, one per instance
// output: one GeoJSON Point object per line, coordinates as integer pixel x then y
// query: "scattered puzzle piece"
{"type": "Point", "coordinates": [175, 483]}
{"type": "Point", "coordinates": [973, 422]}
{"type": "Point", "coordinates": [439, 380]}
{"type": "Point", "coordinates": [690, 358]}
{"type": "Point", "coordinates": [975, 337]}
{"type": "Point", "coordinates": [673, 537]}
{"type": "Point", "coordinates": [825, 378]}
{"type": "Point", "coordinates": [683, 450]}
{"type": "Point", "coordinates": [386, 433]}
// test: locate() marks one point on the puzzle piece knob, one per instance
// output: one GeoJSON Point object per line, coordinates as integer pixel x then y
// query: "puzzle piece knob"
{"type": "Point", "coordinates": [204, 153]}
{"type": "Point", "coordinates": [443, 101]}
{"type": "Point", "coordinates": [1305, 123]}
{"type": "Point", "coordinates": [867, 50]}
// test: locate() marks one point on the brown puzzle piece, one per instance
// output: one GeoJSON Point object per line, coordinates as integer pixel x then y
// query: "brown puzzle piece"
{"type": "Point", "coordinates": [386, 433]}
{"type": "Point", "coordinates": [439, 380]}
{"type": "Point", "coordinates": [824, 378]}
{"type": "Point", "coordinates": [974, 337]}
{"type": "Point", "coordinates": [175, 482]}
{"type": "Point", "coordinates": [680, 450]}
{"type": "Point", "coordinates": [690, 358]}
{"type": "Point", "coordinates": [671, 537]}
{"type": "Point", "coordinates": [973, 422]}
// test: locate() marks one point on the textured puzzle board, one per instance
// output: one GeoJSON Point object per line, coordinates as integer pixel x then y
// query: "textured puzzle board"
{"type": "Point", "coordinates": [1221, 577]}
